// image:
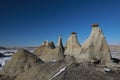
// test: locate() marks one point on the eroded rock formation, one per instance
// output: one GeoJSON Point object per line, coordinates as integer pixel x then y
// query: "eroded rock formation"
{"type": "Point", "coordinates": [95, 48]}
{"type": "Point", "coordinates": [20, 62]}
{"type": "Point", "coordinates": [73, 64]}
{"type": "Point", "coordinates": [85, 71]}
{"type": "Point", "coordinates": [50, 52]}
{"type": "Point", "coordinates": [27, 66]}
{"type": "Point", "coordinates": [72, 46]}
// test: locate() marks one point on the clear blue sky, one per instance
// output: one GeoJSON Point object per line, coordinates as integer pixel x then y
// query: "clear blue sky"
{"type": "Point", "coordinates": [30, 22]}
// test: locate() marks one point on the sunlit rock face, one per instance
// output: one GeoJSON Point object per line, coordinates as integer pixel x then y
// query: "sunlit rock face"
{"type": "Point", "coordinates": [50, 52]}
{"type": "Point", "coordinates": [60, 44]}
{"type": "Point", "coordinates": [95, 48]}
{"type": "Point", "coordinates": [72, 46]}
{"type": "Point", "coordinates": [25, 65]}
{"type": "Point", "coordinates": [20, 62]}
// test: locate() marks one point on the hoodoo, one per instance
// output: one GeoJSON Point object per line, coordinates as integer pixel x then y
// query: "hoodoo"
{"type": "Point", "coordinates": [60, 44]}
{"type": "Point", "coordinates": [72, 46]}
{"type": "Point", "coordinates": [95, 48]}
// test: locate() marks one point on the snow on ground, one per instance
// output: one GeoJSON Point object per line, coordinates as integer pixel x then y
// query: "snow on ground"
{"type": "Point", "coordinates": [61, 70]}
{"type": "Point", "coordinates": [4, 59]}
{"type": "Point", "coordinates": [5, 51]}
{"type": "Point", "coordinates": [31, 51]}
{"type": "Point", "coordinates": [115, 54]}
{"type": "Point", "coordinates": [8, 55]}
{"type": "Point", "coordinates": [53, 60]}
{"type": "Point", "coordinates": [107, 69]}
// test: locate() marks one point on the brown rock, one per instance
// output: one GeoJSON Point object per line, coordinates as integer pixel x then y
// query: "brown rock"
{"type": "Point", "coordinates": [95, 25]}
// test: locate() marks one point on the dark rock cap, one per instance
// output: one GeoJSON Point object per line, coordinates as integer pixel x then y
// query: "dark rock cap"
{"type": "Point", "coordinates": [73, 33]}
{"type": "Point", "coordinates": [95, 25]}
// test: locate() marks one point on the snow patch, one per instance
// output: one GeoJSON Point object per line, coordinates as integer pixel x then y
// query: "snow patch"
{"type": "Point", "coordinates": [3, 61]}
{"type": "Point", "coordinates": [53, 60]}
{"type": "Point", "coordinates": [107, 69]}
{"type": "Point", "coordinates": [61, 70]}
{"type": "Point", "coordinates": [3, 51]}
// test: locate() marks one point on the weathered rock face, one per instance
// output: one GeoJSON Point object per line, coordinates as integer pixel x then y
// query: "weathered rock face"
{"type": "Point", "coordinates": [95, 48]}
{"type": "Point", "coordinates": [51, 53]}
{"type": "Point", "coordinates": [27, 66]}
{"type": "Point", "coordinates": [20, 62]}
{"type": "Point", "coordinates": [41, 71]}
{"type": "Point", "coordinates": [48, 54]}
{"type": "Point", "coordinates": [85, 72]}
{"type": "Point", "coordinates": [60, 44]}
{"type": "Point", "coordinates": [72, 46]}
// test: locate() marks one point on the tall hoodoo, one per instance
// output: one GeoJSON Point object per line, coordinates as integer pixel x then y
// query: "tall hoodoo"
{"type": "Point", "coordinates": [60, 44]}
{"type": "Point", "coordinates": [60, 41]}
{"type": "Point", "coordinates": [72, 46]}
{"type": "Point", "coordinates": [95, 48]}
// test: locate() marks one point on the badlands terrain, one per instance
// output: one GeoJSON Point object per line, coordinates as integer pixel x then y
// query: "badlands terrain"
{"type": "Point", "coordinates": [93, 60]}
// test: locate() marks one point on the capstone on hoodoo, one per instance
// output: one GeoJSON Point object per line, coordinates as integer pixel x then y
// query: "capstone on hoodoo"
{"type": "Point", "coordinates": [95, 48]}
{"type": "Point", "coordinates": [72, 46]}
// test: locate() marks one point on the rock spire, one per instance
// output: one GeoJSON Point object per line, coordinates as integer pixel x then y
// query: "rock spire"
{"type": "Point", "coordinates": [95, 48]}
{"type": "Point", "coordinates": [72, 46]}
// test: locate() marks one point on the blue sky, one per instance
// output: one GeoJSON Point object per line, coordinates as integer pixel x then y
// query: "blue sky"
{"type": "Point", "coordinates": [30, 22]}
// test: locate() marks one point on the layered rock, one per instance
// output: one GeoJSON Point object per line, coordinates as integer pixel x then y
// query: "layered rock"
{"type": "Point", "coordinates": [72, 46]}
{"type": "Point", "coordinates": [50, 52]}
{"type": "Point", "coordinates": [95, 48]}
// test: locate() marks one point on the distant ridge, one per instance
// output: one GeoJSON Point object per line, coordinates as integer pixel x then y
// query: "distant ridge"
{"type": "Point", "coordinates": [2, 48]}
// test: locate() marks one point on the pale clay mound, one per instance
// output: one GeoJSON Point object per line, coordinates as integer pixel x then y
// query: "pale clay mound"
{"type": "Point", "coordinates": [27, 66]}
{"type": "Point", "coordinates": [48, 52]}
{"type": "Point", "coordinates": [20, 62]}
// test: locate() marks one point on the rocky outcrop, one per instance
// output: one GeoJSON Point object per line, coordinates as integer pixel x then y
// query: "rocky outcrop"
{"type": "Point", "coordinates": [72, 46]}
{"type": "Point", "coordinates": [43, 71]}
{"type": "Point", "coordinates": [20, 62]}
{"type": "Point", "coordinates": [85, 71]}
{"type": "Point", "coordinates": [95, 48]}
{"type": "Point", "coordinates": [60, 44]}
{"type": "Point", "coordinates": [50, 52]}
{"type": "Point", "coordinates": [27, 66]}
